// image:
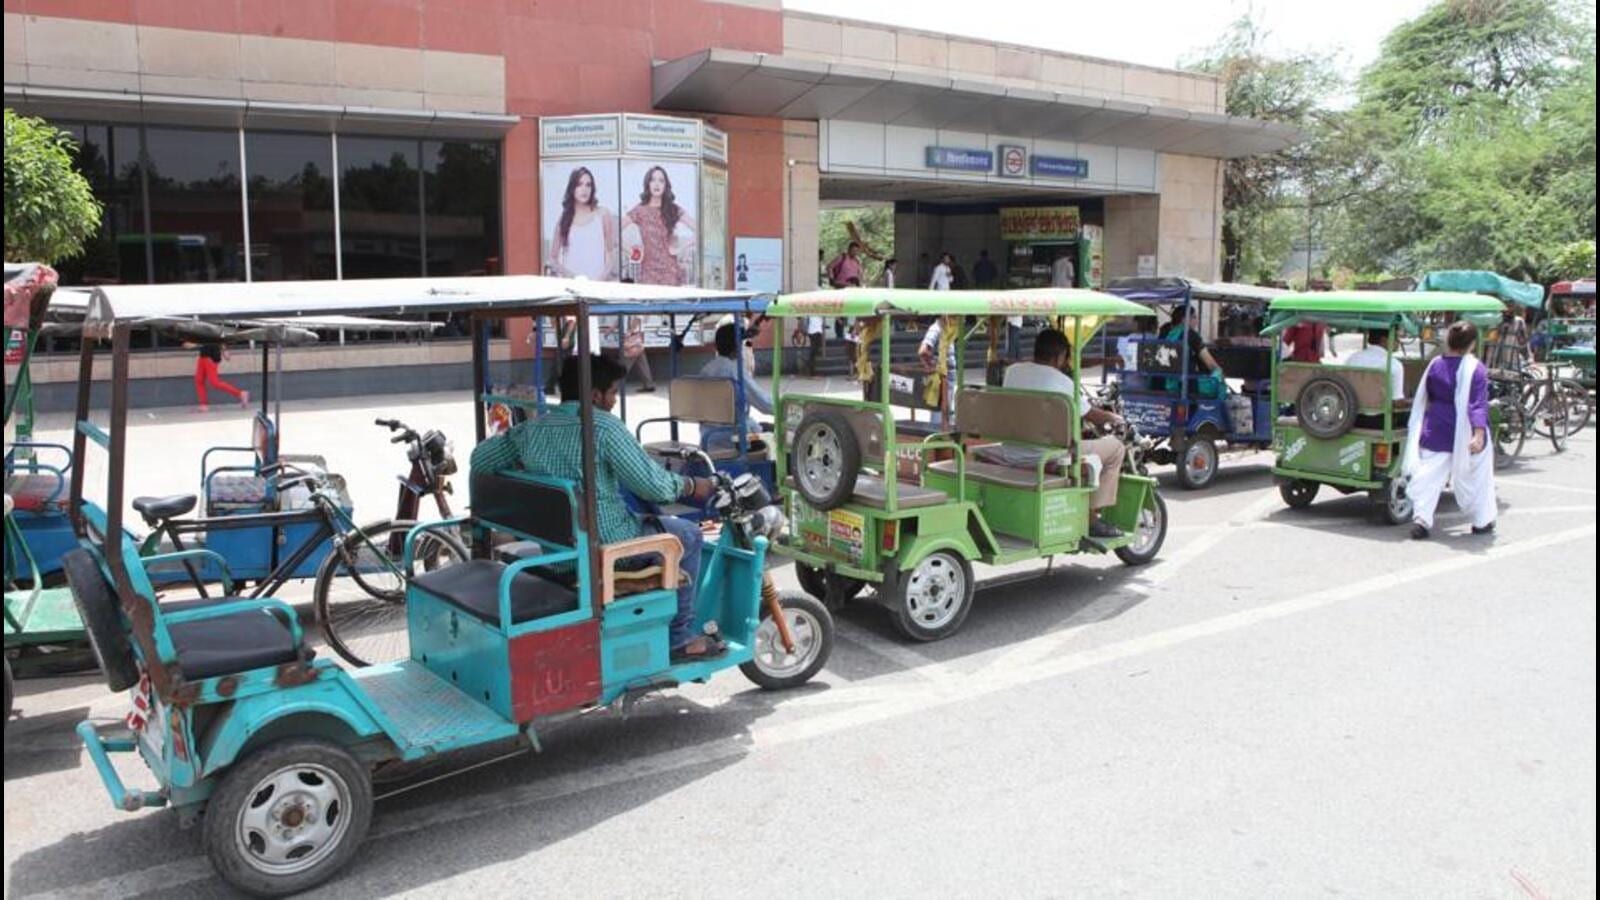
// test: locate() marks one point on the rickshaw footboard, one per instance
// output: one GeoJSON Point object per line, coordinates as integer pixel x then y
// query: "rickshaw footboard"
{"type": "Point", "coordinates": [101, 742]}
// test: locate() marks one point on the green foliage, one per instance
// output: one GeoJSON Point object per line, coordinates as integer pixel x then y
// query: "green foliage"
{"type": "Point", "coordinates": [50, 208]}
{"type": "Point", "coordinates": [1574, 260]}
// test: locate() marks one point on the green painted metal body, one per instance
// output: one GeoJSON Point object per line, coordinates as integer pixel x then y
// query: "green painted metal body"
{"type": "Point", "coordinates": [982, 522]}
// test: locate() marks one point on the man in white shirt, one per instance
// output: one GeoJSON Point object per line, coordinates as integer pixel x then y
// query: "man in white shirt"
{"type": "Point", "coordinates": [1062, 272]}
{"type": "Point", "coordinates": [1052, 355]}
{"type": "Point", "coordinates": [942, 273]}
{"type": "Point", "coordinates": [816, 333]}
{"type": "Point", "coordinates": [1376, 355]}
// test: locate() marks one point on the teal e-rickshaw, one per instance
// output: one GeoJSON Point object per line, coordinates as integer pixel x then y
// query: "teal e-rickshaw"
{"type": "Point", "coordinates": [236, 717]}
{"type": "Point", "coordinates": [860, 517]}
{"type": "Point", "coordinates": [1339, 425]}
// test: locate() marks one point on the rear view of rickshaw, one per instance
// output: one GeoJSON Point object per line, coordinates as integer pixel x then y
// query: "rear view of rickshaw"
{"type": "Point", "coordinates": [859, 516]}
{"type": "Point", "coordinates": [272, 750]}
{"type": "Point", "coordinates": [1345, 426]}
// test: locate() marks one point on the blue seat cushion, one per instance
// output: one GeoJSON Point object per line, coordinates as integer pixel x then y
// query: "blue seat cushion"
{"type": "Point", "coordinates": [474, 587]}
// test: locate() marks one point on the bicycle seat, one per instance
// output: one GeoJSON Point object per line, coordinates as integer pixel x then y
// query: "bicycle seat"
{"type": "Point", "coordinates": [154, 509]}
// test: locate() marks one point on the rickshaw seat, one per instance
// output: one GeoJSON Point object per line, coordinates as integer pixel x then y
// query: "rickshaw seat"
{"type": "Point", "coordinates": [233, 492]}
{"type": "Point", "coordinates": [473, 586]}
{"type": "Point", "coordinates": [870, 491]}
{"type": "Point", "coordinates": [32, 491]}
{"type": "Point", "coordinates": [1003, 475]}
{"type": "Point", "coordinates": [154, 509]}
{"type": "Point", "coordinates": [706, 399]}
{"type": "Point", "coordinates": [252, 639]}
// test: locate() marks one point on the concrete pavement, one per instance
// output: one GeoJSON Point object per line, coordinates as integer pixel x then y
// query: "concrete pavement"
{"type": "Point", "coordinates": [1287, 703]}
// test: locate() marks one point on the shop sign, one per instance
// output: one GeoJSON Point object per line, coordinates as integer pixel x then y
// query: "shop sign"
{"type": "Point", "coordinates": [578, 135]}
{"type": "Point", "coordinates": [959, 159]}
{"type": "Point", "coordinates": [1039, 223]}
{"type": "Point", "coordinates": [714, 143]}
{"type": "Point", "coordinates": [661, 135]}
{"type": "Point", "coordinates": [1060, 167]}
{"type": "Point", "coordinates": [1013, 161]}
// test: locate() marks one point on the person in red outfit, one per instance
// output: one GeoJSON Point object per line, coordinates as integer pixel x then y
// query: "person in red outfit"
{"type": "Point", "coordinates": [211, 353]}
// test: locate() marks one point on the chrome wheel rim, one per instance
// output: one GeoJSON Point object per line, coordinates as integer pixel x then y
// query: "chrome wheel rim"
{"type": "Point", "coordinates": [935, 591]}
{"type": "Point", "coordinates": [1145, 530]}
{"type": "Point", "coordinates": [1200, 459]}
{"type": "Point", "coordinates": [1399, 502]}
{"type": "Point", "coordinates": [820, 460]}
{"type": "Point", "coordinates": [776, 662]}
{"type": "Point", "coordinates": [293, 819]}
{"type": "Point", "coordinates": [1324, 407]}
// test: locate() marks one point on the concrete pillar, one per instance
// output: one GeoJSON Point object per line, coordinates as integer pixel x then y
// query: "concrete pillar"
{"type": "Point", "coordinates": [801, 203]}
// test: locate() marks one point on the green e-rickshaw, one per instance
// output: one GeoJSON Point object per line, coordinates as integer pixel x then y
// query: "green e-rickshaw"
{"type": "Point", "coordinates": [1339, 425]}
{"type": "Point", "coordinates": [859, 516]}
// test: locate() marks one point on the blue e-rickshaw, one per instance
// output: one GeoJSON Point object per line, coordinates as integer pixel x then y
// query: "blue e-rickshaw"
{"type": "Point", "coordinates": [1188, 412]}
{"type": "Point", "coordinates": [235, 718]}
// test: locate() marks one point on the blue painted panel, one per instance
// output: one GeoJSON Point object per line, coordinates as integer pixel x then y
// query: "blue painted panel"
{"type": "Point", "coordinates": [463, 651]}
{"type": "Point", "coordinates": [633, 637]}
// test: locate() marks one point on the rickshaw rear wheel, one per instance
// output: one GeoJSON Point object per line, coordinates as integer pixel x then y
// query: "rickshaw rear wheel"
{"type": "Point", "coordinates": [102, 620]}
{"type": "Point", "coordinates": [1298, 493]}
{"type": "Point", "coordinates": [1393, 504]}
{"type": "Point", "coordinates": [931, 601]}
{"type": "Point", "coordinates": [1149, 533]}
{"type": "Point", "coordinates": [825, 459]}
{"type": "Point", "coordinates": [810, 626]}
{"type": "Point", "coordinates": [1196, 460]}
{"type": "Point", "coordinates": [288, 816]}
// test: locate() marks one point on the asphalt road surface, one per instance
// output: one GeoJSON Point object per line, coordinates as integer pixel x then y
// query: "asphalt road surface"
{"type": "Point", "coordinates": [1288, 703]}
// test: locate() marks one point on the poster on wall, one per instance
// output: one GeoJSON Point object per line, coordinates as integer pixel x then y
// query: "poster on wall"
{"type": "Point", "coordinates": [580, 218]}
{"type": "Point", "coordinates": [659, 230]}
{"type": "Point", "coordinates": [714, 227]}
{"type": "Point", "coordinates": [1091, 257]}
{"type": "Point", "coordinates": [758, 264]}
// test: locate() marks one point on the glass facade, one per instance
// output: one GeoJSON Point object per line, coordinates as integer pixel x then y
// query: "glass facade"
{"type": "Point", "coordinates": [176, 211]}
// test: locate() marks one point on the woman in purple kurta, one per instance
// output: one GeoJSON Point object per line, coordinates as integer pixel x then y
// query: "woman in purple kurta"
{"type": "Point", "coordinates": [1448, 438]}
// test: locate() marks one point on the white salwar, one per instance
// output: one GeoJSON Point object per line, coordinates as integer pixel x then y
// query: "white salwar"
{"type": "Point", "coordinates": [1470, 475]}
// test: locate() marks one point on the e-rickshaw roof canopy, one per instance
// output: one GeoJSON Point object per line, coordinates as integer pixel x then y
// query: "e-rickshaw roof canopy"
{"type": "Point", "coordinates": [1380, 303]}
{"type": "Point", "coordinates": [1473, 281]}
{"type": "Point", "coordinates": [1167, 289]}
{"type": "Point", "coordinates": [859, 302]}
{"type": "Point", "coordinates": [1583, 287]}
{"type": "Point", "coordinates": [505, 294]}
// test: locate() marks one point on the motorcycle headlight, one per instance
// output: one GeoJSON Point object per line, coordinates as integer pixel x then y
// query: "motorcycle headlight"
{"type": "Point", "coordinates": [752, 493]}
{"type": "Point", "coordinates": [768, 522]}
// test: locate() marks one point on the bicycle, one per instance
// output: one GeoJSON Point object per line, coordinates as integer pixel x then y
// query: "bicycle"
{"type": "Point", "coordinates": [1554, 407]}
{"type": "Point", "coordinates": [368, 625]}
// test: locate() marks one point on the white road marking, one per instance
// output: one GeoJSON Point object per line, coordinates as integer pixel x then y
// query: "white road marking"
{"type": "Point", "coordinates": [1547, 485]}
{"type": "Point", "coordinates": [898, 702]}
{"type": "Point", "coordinates": [1168, 567]}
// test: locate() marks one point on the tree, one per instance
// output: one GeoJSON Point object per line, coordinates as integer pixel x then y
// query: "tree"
{"type": "Point", "coordinates": [50, 208]}
{"type": "Point", "coordinates": [1256, 190]}
{"type": "Point", "coordinates": [875, 224]}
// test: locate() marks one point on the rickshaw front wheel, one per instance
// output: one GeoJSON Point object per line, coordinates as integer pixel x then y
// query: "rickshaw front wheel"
{"type": "Point", "coordinates": [1393, 503]}
{"type": "Point", "coordinates": [1299, 493]}
{"type": "Point", "coordinates": [772, 666]}
{"type": "Point", "coordinates": [288, 817]}
{"type": "Point", "coordinates": [1149, 533]}
{"type": "Point", "coordinates": [931, 601]}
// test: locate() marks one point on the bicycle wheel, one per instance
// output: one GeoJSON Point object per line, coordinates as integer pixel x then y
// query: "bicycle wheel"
{"type": "Point", "coordinates": [1576, 397]}
{"type": "Point", "coordinates": [1510, 436]}
{"type": "Point", "coordinates": [1549, 419]}
{"type": "Point", "coordinates": [360, 591]}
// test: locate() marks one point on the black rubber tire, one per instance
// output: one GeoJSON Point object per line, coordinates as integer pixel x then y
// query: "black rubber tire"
{"type": "Point", "coordinates": [1510, 435]}
{"type": "Point", "coordinates": [1305, 402]}
{"type": "Point", "coordinates": [238, 788]}
{"type": "Point", "coordinates": [905, 618]}
{"type": "Point", "coordinates": [101, 612]}
{"type": "Point", "coordinates": [1393, 507]}
{"type": "Point", "coordinates": [1190, 478]}
{"type": "Point", "coordinates": [814, 423]}
{"type": "Point", "coordinates": [1298, 493]}
{"type": "Point", "coordinates": [813, 608]}
{"type": "Point", "coordinates": [813, 580]}
{"type": "Point", "coordinates": [387, 603]}
{"type": "Point", "coordinates": [1132, 557]}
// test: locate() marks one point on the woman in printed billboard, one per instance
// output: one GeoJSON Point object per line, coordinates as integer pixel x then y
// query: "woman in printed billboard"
{"type": "Point", "coordinates": [660, 239]}
{"type": "Point", "coordinates": [585, 242]}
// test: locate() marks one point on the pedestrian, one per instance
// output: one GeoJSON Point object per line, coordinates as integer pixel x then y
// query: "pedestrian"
{"type": "Point", "coordinates": [815, 335]}
{"type": "Point", "coordinates": [984, 273]}
{"type": "Point", "coordinates": [1062, 273]}
{"type": "Point", "coordinates": [1013, 338]}
{"type": "Point", "coordinates": [886, 277]}
{"type": "Point", "coordinates": [211, 354]}
{"type": "Point", "coordinates": [845, 267]}
{"type": "Point", "coordinates": [634, 357]}
{"type": "Point", "coordinates": [566, 330]}
{"type": "Point", "coordinates": [1447, 438]}
{"type": "Point", "coordinates": [1305, 342]}
{"type": "Point", "coordinates": [943, 273]}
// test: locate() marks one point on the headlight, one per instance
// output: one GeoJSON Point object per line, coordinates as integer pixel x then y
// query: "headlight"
{"type": "Point", "coordinates": [767, 522]}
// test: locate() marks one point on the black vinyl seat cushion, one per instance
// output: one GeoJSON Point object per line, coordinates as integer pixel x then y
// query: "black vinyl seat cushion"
{"type": "Point", "coordinates": [474, 587]}
{"type": "Point", "coordinates": [228, 645]}
{"type": "Point", "coordinates": [154, 508]}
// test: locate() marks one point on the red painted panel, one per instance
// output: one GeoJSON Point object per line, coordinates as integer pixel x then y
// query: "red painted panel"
{"type": "Point", "coordinates": [98, 10]}
{"type": "Point", "coordinates": [310, 20]}
{"type": "Point", "coordinates": [460, 27]}
{"type": "Point", "coordinates": [211, 15]}
{"type": "Point", "coordinates": [554, 671]}
{"type": "Point", "coordinates": [395, 23]}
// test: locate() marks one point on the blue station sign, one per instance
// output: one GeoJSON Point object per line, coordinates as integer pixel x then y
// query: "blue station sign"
{"type": "Point", "coordinates": [960, 159]}
{"type": "Point", "coordinates": [1058, 167]}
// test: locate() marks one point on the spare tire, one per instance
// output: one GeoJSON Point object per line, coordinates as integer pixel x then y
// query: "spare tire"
{"type": "Point", "coordinates": [1326, 406]}
{"type": "Point", "coordinates": [825, 459]}
{"type": "Point", "coordinates": [101, 612]}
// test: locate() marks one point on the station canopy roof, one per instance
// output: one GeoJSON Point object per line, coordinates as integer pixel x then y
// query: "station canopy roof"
{"type": "Point", "coordinates": [277, 300]}
{"type": "Point", "coordinates": [739, 82]}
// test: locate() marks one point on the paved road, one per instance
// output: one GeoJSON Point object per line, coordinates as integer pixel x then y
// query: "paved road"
{"type": "Point", "coordinates": [1287, 704]}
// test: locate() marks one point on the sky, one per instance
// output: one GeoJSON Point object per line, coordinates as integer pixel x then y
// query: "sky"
{"type": "Point", "coordinates": [1123, 31]}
